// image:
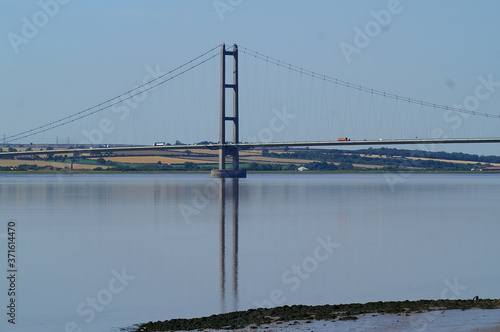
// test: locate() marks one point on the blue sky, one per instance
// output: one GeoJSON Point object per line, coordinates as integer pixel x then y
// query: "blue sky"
{"type": "Point", "coordinates": [81, 53]}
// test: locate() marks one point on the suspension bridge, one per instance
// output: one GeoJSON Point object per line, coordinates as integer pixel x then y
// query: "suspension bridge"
{"type": "Point", "coordinates": [229, 124]}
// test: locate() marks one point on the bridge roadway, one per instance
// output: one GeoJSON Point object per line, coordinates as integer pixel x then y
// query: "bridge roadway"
{"type": "Point", "coordinates": [246, 146]}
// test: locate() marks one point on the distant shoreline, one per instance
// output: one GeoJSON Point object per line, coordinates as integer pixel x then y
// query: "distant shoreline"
{"type": "Point", "coordinates": [248, 172]}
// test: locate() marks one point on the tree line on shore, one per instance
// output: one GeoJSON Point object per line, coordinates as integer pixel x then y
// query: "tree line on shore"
{"type": "Point", "coordinates": [390, 159]}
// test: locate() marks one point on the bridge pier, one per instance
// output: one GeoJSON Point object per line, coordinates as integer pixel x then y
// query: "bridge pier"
{"type": "Point", "coordinates": [229, 173]}
{"type": "Point", "coordinates": [228, 149]}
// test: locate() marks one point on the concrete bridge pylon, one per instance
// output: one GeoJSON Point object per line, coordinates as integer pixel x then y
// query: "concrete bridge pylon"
{"type": "Point", "coordinates": [228, 148]}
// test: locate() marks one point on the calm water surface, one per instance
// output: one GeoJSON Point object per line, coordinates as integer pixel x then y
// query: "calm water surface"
{"type": "Point", "coordinates": [100, 252]}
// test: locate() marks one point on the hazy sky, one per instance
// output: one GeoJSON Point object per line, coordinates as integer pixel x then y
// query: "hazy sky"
{"type": "Point", "coordinates": [59, 57]}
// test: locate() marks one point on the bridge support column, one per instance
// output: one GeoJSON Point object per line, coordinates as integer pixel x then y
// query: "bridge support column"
{"type": "Point", "coordinates": [228, 149]}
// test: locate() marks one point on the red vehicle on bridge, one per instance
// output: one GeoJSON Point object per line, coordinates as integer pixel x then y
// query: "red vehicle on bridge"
{"type": "Point", "coordinates": [343, 139]}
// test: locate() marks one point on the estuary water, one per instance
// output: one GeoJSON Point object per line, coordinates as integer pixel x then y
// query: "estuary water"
{"type": "Point", "coordinates": [101, 252]}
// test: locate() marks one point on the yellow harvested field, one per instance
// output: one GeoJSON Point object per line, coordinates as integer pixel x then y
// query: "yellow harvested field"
{"type": "Point", "coordinates": [275, 160]}
{"type": "Point", "coordinates": [433, 159]}
{"type": "Point", "coordinates": [451, 161]}
{"type": "Point", "coordinates": [41, 163]}
{"type": "Point", "coordinates": [153, 160]}
{"type": "Point", "coordinates": [245, 157]}
{"type": "Point", "coordinates": [251, 153]}
{"type": "Point", "coordinates": [284, 161]}
{"type": "Point", "coordinates": [365, 166]}
{"type": "Point", "coordinates": [208, 151]}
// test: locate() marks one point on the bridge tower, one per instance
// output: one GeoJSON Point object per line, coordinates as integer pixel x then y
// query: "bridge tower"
{"type": "Point", "coordinates": [228, 148]}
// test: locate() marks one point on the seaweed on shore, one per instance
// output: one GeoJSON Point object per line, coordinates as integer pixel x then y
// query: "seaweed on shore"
{"type": "Point", "coordinates": [241, 319]}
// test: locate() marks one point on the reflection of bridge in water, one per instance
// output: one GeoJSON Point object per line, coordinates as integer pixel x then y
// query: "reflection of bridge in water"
{"type": "Point", "coordinates": [233, 267]}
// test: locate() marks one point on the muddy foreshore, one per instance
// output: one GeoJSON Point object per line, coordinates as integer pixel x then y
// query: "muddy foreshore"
{"type": "Point", "coordinates": [256, 317]}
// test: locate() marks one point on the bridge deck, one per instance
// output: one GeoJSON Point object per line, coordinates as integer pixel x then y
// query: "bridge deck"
{"type": "Point", "coordinates": [243, 146]}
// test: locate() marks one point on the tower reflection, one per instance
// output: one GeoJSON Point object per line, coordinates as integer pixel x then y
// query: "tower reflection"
{"type": "Point", "coordinates": [231, 196]}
